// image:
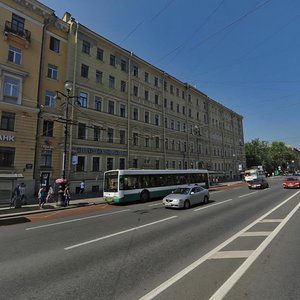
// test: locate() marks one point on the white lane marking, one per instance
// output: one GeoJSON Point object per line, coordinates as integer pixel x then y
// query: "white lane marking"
{"type": "Point", "coordinates": [76, 220]}
{"type": "Point", "coordinates": [271, 221]}
{"type": "Point", "coordinates": [118, 233]}
{"type": "Point", "coordinates": [247, 194]}
{"type": "Point", "coordinates": [156, 204]}
{"type": "Point", "coordinates": [256, 233]}
{"type": "Point", "coordinates": [233, 279]}
{"type": "Point", "coordinates": [208, 206]}
{"type": "Point", "coordinates": [202, 259]}
{"type": "Point", "coordinates": [231, 254]}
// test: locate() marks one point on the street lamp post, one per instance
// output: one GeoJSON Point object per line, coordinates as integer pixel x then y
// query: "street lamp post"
{"type": "Point", "coordinates": [67, 96]}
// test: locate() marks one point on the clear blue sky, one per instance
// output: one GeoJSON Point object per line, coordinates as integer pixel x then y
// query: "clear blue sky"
{"type": "Point", "coordinates": [244, 54]}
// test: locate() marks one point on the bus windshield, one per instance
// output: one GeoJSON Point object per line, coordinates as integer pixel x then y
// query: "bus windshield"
{"type": "Point", "coordinates": [111, 182]}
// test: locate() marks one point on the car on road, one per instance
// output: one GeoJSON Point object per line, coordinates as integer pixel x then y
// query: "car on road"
{"type": "Point", "coordinates": [186, 196]}
{"type": "Point", "coordinates": [259, 183]}
{"type": "Point", "coordinates": [291, 183]}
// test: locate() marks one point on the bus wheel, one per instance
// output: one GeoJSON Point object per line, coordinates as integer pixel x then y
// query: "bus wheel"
{"type": "Point", "coordinates": [144, 196]}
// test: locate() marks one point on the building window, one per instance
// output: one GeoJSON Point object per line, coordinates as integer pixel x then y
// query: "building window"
{"type": "Point", "coordinates": [171, 89]}
{"type": "Point", "coordinates": [98, 103]}
{"type": "Point", "coordinates": [109, 163]}
{"type": "Point", "coordinates": [135, 114]}
{"type": "Point", "coordinates": [112, 82]}
{"type": "Point", "coordinates": [135, 139]}
{"type": "Point", "coordinates": [48, 128]}
{"type": "Point", "coordinates": [46, 158]}
{"type": "Point", "coordinates": [122, 136]}
{"type": "Point", "coordinates": [146, 95]}
{"type": "Point", "coordinates": [54, 44]}
{"type": "Point", "coordinates": [157, 142]}
{"type": "Point", "coordinates": [123, 111]}
{"type": "Point", "coordinates": [156, 81]}
{"type": "Point", "coordinates": [17, 24]}
{"type": "Point", "coordinates": [122, 163]}
{"type": "Point", "coordinates": [8, 121]}
{"type": "Point", "coordinates": [11, 91]}
{"type": "Point", "coordinates": [99, 76]}
{"type": "Point", "coordinates": [7, 156]}
{"type": "Point", "coordinates": [134, 163]}
{"type": "Point", "coordinates": [80, 164]}
{"type": "Point", "coordinates": [171, 105]}
{"type": "Point", "coordinates": [165, 86]}
{"type": "Point", "coordinates": [96, 133]}
{"type": "Point", "coordinates": [15, 55]}
{"type": "Point", "coordinates": [157, 120]}
{"type": "Point", "coordinates": [110, 135]}
{"type": "Point", "coordinates": [166, 123]}
{"type": "Point", "coordinates": [157, 164]}
{"type": "Point", "coordinates": [96, 164]}
{"type": "Point", "coordinates": [81, 131]}
{"type": "Point", "coordinates": [165, 103]}
{"type": "Point", "coordinates": [147, 141]}
{"type": "Point", "coordinates": [50, 99]}
{"type": "Point", "coordinates": [183, 110]}
{"type": "Point", "coordinates": [84, 71]}
{"type": "Point", "coordinates": [86, 47]}
{"type": "Point", "coordinates": [146, 77]}
{"type": "Point", "coordinates": [123, 65]}
{"type": "Point", "coordinates": [166, 144]}
{"type": "Point", "coordinates": [190, 98]}
{"type": "Point", "coordinates": [183, 95]}
{"type": "Point", "coordinates": [135, 91]}
{"type": "Point", "coordinates": [135, 71]}
{"type": "Point", "coordinates": [156, 99]}
{"type": "Point", "coordinates": [147, 118]}
{"type": "Point", "coordinates": [177, 108]}
{"type": "Point", "coordinates": [100, 54]}
{"type": "Point", "coordinates": [83, 98]}
{"type": "Point", "coordinates": [112, 60]}
{"type": "Point", "coordinates": [172, 124]}
{"type": "Point", "coordinates": [177, 92]}
{"type": "Point", "coordinates": [178, 125]}
{"type": "Point", "coordinates": [123, 86]}
{"type": "Point", "coordinates": [52, 72]}
{"type": "Point", "coordinates": [111, 107]}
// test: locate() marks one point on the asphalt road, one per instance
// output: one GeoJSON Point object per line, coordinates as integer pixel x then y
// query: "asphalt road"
{"type": "Point", "coordinates": [242, 245]}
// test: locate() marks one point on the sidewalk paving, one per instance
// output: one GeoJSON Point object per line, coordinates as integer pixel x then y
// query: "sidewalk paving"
{"type": "Point", "coordinates": [11, 215]}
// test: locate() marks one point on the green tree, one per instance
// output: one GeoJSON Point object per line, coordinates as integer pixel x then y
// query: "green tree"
{"type": "Point", "coordinates": [257, 153]}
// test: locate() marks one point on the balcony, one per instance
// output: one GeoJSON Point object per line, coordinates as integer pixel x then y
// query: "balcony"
{"type": "Point", "coordinates": [16, 32]}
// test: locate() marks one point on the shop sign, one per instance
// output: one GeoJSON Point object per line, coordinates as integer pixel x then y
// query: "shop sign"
{"type": "Point", "coordinates": [8, 138]}
{"type": "Point", "coordinates": [101, 151]}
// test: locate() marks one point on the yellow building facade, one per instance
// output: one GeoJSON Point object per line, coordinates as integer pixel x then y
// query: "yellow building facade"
{"type": "Point", "coordinates": [118, 112]}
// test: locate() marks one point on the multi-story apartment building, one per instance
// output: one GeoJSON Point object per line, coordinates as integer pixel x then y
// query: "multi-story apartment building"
{"type": "Point", "coordinates": [22, 27]}
{"type": "Point", "coordinates": [119, 111]}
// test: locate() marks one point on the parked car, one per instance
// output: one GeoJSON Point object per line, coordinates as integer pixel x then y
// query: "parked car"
{"type": "Point", "coordinates": [291, 183]}
{"type": "Point", "coordinates": [186, 196]}
{"type": "Point", "coordinates": [259, 183]}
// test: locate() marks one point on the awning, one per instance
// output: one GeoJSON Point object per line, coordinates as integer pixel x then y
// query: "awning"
{"type": "Point", "coordinates": [10, 176]}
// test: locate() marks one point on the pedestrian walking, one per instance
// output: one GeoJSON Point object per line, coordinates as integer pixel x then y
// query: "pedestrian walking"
{"type": "Point", "coordinates": [67, 195]}
{"type": "Point", "coordinates": [82, 187]}
{"type": "Point", "coordinates": [50, 195]}
{"type": "Point", "coordinates": [42, 196]}
{"type": "Point", "coordinates": [15, 196]}
{"type": "Point", "coordinates": [23, 193]}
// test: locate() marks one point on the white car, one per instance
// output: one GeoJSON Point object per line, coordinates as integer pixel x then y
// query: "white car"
{"type": "Point", "coordinates": [186, 196]}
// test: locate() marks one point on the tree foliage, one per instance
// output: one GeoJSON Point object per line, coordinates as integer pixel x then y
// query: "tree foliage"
{"type": "Point", "coordinates": [270, 156]}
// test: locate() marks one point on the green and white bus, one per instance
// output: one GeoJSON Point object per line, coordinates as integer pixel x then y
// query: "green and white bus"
{"type": "Point", "coordinates": [142, 185]}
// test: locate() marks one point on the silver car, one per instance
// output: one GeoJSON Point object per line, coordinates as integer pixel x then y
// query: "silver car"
{"type": "Point", "coordinates": [186, 196]}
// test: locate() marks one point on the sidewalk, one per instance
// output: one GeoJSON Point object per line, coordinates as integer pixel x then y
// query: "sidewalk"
{"type": "Point", "coordinates": [11, 215]}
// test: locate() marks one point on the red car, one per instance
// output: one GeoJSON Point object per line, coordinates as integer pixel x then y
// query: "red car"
{"type": "Point", "coordinates": [291, 183]}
